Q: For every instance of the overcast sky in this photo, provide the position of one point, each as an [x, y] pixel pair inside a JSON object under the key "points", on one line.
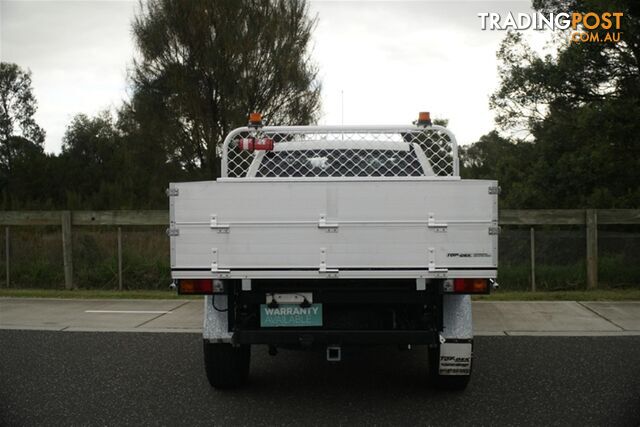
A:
{"points": [[386, 60]]}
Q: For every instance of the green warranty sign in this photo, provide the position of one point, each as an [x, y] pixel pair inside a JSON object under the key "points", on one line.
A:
{"points": [[290, 315]]}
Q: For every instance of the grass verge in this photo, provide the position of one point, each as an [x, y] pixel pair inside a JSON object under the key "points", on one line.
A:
{"points": [[92, 294], [632, 294]]}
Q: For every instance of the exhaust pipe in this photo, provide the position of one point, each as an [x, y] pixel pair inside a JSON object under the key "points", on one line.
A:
{"points": [[334, 353]]}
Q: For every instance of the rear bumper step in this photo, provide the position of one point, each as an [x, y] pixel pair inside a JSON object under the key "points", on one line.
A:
{"points": [[308, 337]]}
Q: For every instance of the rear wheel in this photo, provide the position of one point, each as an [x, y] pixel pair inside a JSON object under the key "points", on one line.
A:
{"points": [[226, 366], [444, 382]]}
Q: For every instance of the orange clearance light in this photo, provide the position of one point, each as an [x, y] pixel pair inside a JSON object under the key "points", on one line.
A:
{"points": [[424, 118], [255, 119]]}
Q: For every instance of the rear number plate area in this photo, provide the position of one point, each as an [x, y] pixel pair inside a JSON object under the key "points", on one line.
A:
{"points": [[290, 315]]}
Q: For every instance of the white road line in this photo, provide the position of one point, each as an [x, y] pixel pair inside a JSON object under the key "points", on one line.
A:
{"points": [[127, 311]]}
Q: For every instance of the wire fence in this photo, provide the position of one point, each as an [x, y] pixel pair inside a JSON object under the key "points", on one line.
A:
{"points": [[560, 257], [130, 250]]}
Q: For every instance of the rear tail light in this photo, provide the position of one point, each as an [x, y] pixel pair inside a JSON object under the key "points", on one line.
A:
{"points": [[467, 286], [200, 286], [250, 144]]}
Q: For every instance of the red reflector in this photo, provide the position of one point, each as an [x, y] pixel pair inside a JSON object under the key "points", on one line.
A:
{"points": [[470, 286], [195, 286]]}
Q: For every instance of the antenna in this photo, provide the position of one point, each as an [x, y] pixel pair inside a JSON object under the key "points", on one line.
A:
{"points": [[342, 111], [342, 106]]}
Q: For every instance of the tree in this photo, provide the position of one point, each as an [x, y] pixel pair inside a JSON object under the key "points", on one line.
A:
{"points": [[580, 107], [109, 162], [205, 65], [92, 154], [577, 74], [495, 157], [19, 134], [17, 105], [149, 166]]}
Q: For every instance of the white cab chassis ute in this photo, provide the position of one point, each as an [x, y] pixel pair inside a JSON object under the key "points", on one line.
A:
{"points": [[321, 237]]}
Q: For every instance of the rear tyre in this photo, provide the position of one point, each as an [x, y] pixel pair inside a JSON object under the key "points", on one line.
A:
{"points": [[444, 382], [226, 366]]}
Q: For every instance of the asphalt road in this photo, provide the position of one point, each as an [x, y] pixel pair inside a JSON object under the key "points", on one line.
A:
{"points": [[89, 378]]}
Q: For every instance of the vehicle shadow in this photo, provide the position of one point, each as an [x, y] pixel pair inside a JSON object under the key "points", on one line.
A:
{"points": [[360, 368]]}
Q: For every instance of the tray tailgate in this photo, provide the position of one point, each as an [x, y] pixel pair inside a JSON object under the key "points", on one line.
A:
{"points": [[380, 225]]}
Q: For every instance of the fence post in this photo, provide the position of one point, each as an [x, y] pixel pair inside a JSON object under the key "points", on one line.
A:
{"points": [[7, 249], [532, 234], [67, 256], [592, 248], [119, 258]]}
